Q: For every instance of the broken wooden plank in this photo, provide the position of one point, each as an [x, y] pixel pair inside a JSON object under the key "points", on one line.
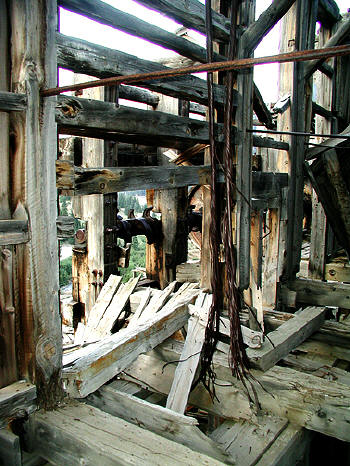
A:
{"points": [[246, 442], [10, 450], [12, 102], [156, 303], [162, 421], [65, 227], [111, 355], [103, 301], [13, 232], [318, 293], [114, 310], [76, 433], [289, 448], [97, 119], [287, 337], [186, 368], [145, 299], [251, 338], [94, 60], [16, 400]]}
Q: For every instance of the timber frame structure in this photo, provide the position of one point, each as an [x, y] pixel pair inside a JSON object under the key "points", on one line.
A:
{"points": [[122, 378]]}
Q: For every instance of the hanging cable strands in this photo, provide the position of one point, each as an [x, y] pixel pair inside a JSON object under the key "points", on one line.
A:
{"points": [[206, 67]]}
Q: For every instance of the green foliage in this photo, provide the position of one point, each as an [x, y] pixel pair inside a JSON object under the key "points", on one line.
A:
{"points": [[137, 257], [129, 201], [65, 271]]}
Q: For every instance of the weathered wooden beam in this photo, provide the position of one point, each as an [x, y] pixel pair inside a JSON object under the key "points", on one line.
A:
{"points": [[13, 232], [65, 227], [305, 399], [106, 14], [337, 271], [113, 354], [287, 337], [254, 34], [191, 13], [261, 110], [330, 143], [79, 433], [328, 12], [198, 108], [94, 60], [246, 442], [107, 180], [16, 400], [162, 421], [319, 110], [10, 450], [289, 448], [92, 118], [259, 141], [318, 293], [136, 94], [336, 39], [12, 102]]}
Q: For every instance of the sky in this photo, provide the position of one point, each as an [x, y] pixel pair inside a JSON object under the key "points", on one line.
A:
{"points": [[265, 76]]}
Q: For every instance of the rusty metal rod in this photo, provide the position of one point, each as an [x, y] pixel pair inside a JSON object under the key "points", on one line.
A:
{"points": [[298, 133], [205, 67]]}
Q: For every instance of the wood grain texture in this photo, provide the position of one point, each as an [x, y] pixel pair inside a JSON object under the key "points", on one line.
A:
{"points": [[15, 400], [11, 102], [75, 433]]}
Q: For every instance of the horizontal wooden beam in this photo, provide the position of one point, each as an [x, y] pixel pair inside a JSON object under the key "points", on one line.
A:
{"points": [[110, 16], [76, 433], [65, 227], [137, 94], [102, 62], [12, 102], [13, 232], [319, 110], [109, 180], [259, 141], [330, 143], [16, 400], [337, 271], [318, 293], [191, 13], [94, 118]]}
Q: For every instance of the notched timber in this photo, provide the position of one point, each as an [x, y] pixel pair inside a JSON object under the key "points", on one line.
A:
{"points": [[97, 119]]}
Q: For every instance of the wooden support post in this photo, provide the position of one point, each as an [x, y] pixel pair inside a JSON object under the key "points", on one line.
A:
{"points": [[33, 184]]}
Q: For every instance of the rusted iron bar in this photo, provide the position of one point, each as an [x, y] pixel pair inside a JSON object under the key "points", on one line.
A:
{"points": [[206, 67], [298, 133]]}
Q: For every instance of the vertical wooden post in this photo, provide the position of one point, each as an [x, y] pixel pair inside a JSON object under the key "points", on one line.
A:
{"points": [[34, 66], [323, 126]]}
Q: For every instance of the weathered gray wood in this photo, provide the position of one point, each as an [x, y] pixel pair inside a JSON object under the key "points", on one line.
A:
{"points": [[103, 301], [251, 338], [13, 232], [319, 110], [289, 448], [78, 433], [11, 102], [162, 421], [337, 271], [308, 400], [330, 143], [259, 141], [261, 111], [114, 353], [287, 337], [154, 305], [246, 442], [188, 272], [318, 293], [191, 13], [35, 150], [92, 118], [186, 369], [94, 60], [137, 94], [253, 35], [10, 450], [336, 39], [328, 12], [65, 227], [16, 400], [106, 14]]}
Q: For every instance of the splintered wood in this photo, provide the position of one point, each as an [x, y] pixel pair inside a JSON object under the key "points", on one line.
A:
{"points": [[87, 368]]}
